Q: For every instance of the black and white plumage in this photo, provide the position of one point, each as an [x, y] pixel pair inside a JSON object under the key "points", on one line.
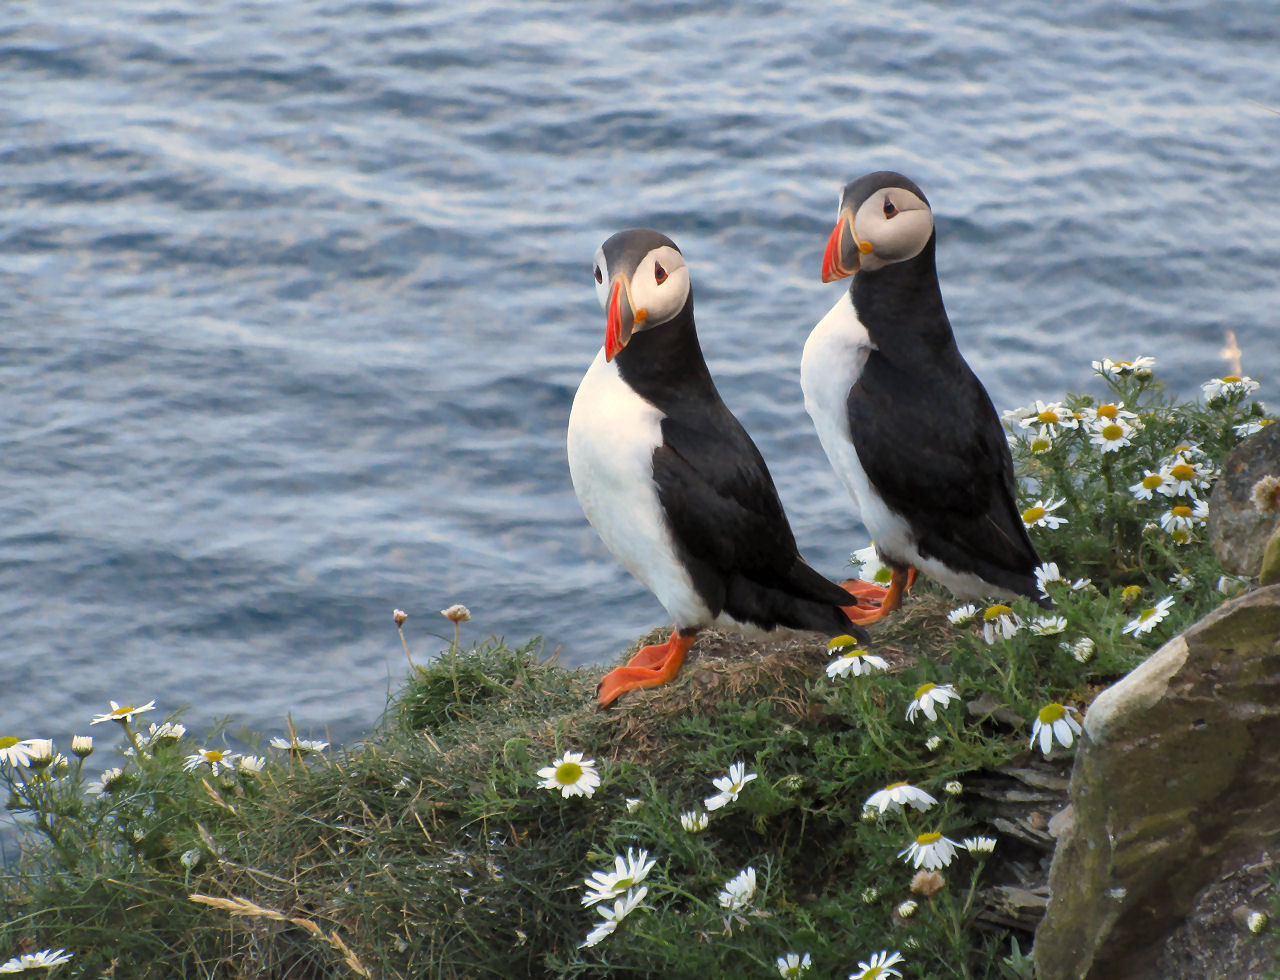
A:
{"points": [[669, 478], [906, 424]]}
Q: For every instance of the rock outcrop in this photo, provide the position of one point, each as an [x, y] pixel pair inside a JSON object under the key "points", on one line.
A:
{"points": [[1175, 783], [1238, 529]]}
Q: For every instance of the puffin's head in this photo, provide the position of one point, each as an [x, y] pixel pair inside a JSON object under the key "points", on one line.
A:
{"points": [[641, 281], [883, 218]]}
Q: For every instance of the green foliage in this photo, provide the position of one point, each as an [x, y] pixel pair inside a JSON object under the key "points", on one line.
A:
{"points": [[433, 850]]}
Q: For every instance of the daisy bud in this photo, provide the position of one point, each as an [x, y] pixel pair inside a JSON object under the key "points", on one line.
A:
{"points": [[1257, 921], [399, 615], [932, 743], [907, 909], [457, 613], [953, 788], [82, 745]]}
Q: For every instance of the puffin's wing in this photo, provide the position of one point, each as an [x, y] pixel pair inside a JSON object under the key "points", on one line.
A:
{"points": [[728, 522], [947, 469]]}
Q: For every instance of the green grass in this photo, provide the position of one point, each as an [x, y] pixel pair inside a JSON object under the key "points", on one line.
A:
{"points": [[430, 850]]}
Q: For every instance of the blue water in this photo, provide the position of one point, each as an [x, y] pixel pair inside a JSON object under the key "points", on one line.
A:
{"points": [[294, 297]]}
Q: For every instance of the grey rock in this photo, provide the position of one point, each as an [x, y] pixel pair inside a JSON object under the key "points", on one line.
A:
{"points": [[1175, 781], [1238, 533]]}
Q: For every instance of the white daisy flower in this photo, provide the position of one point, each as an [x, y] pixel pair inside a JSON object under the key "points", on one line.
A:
{"points": [[109, 780], [1112, 436], [215, 759], [1181, 520], [1054, 721], [1148, 619], [252, 764], [999, 621], [1250, 427], [168, 731], [729, 786], [739, 891], [927, 696], [879, 967], [1227, 386], [610, 917], [930, 851], [1230, 584], [1082, 649], [14, 751], [793, 965], [122, 713], [1181, 580], [39, 752], [896, 796], [300, 746], [627, 872], [1048, 418], [962, 614], [1048, 625], [1140, 366], [852, 660], [571, 774], [1187, 477], [82, 745], [694, 821], [870, 567], [35, 961], [979, 845], [1046, 573], [1151, 482], [1040, 514], [1110, 412]]}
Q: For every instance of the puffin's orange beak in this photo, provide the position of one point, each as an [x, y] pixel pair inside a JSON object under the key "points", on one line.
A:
{"points": [[621, 319], [843, 256]]}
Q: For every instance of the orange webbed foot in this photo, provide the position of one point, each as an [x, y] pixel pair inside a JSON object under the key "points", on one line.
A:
{"points": [[875, 601], [651, 666]]}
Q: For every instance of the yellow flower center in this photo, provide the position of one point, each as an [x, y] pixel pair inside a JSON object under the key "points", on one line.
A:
{"points": [[1051, 713], [1230, 379], [896, 785], [1146, 614], [214, 755], [1107, 411], [9, 740], [1048, 416], [995, 612], [883, 576], [924, 689], [1183, 471], [924, 840], [568, 773], [1184, 448], [871, 973], [1182, 511], [1041, 445], [838, 644], [1112, 431], [1180, 536], [1131, 592], [1152, 481], [1033, 514], [1122, 364]]}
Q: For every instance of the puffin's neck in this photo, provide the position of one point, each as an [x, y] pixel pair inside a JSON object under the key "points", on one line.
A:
{"points": [[901, 307], [666, 360]]}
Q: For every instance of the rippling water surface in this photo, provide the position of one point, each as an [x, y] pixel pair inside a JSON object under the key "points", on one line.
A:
{"points": [[294, 297]]}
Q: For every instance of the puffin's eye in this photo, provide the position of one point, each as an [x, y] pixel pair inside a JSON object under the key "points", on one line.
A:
{"points": [[659, 273], [599, 277], [889, 209]]}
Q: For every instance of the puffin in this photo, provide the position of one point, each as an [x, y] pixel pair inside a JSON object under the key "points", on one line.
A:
{"points": [[670, 480], [906, 424]]}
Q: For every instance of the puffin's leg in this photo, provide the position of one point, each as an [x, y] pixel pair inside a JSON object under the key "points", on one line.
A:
{"points": [[653, 665], [890, 598]]}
